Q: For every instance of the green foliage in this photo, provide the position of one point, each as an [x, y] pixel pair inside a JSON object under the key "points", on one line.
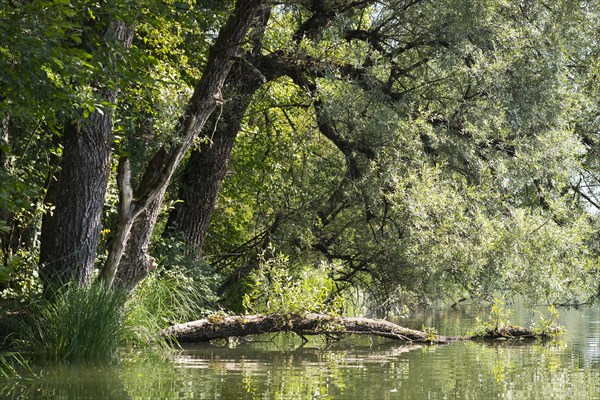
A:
{"points": [[19, 279], [461, 151], [163, 298], [431, 332], [498, 319], [277, 287], [548, 325], [76, 323], [14, 367], [461, 183]]}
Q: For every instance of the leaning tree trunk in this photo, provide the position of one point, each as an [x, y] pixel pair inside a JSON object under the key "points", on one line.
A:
{"points": [[71, 231], [127, 269], [205, 170], [5, 215], [136, 262]]}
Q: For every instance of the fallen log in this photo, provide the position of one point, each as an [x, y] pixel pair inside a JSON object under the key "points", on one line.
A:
{"points": [[217, 327], [222, 327]]}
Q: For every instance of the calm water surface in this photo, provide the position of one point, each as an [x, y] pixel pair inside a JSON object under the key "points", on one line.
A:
{"points": [[356, 368]]}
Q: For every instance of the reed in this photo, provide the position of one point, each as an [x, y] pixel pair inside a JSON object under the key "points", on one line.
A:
{"points": [[77, 323]]}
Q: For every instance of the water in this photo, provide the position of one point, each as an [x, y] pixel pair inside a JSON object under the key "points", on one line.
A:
{"points": [[355, 368]]}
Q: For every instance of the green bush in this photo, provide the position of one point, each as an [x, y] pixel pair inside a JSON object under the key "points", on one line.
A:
{"points": [[19, 279], [276, 287]]}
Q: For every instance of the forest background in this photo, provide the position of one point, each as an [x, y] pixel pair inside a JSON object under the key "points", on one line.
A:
{"points": [[299, 156]]}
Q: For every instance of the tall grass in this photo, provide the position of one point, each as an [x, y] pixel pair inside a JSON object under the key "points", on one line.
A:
{"points": [[78, 323], [13, 366], [95, 323], [164, 298]]}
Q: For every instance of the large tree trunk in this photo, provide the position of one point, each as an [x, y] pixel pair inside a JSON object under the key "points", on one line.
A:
{"points": [[71, 230], [205, 170], [129, 269]]}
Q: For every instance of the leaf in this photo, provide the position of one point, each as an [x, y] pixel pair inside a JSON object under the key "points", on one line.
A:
{"points": [[76, 39], [181, 6], [58, 62]]}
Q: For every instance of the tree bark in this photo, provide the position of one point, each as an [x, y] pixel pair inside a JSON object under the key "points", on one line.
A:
{"points": [[71, 230], [207, 96], [136, 262], [205, 170], [308, 324]]}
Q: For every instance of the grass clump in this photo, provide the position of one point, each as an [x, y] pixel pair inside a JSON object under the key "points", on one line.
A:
{"points": [[13, 366], [163, 298], [76, 323], [97, 323]]}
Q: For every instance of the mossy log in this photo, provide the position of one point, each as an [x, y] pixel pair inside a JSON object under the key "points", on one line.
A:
{"points": [[217, 327], [513, 331], [222, 327]]}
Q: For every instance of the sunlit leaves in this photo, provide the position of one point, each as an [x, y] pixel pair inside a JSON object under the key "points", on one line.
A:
{"points": [[458, 117]]}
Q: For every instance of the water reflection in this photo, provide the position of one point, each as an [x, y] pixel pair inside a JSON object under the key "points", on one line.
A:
{"points": [[358, 368]]}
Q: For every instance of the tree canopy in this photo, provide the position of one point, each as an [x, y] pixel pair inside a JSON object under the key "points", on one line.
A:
{"points": [[415, 150]]}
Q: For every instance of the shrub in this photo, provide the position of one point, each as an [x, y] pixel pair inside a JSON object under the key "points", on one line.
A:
{"points": [[275, 288]]}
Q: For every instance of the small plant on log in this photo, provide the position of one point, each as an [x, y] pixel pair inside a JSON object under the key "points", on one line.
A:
{"points": [[548, 326], [432, 333], [498, 325], [498, 320], [279, 287]]}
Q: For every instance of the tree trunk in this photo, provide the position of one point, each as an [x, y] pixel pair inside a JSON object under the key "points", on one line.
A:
{"points": [[71, 230], [136, 263], [129, 269], [205, 170], [5, 215]]}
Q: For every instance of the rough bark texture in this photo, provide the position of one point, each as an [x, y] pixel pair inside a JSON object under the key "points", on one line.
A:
{"points": [[222, 327], [206, 168], [136, 263], [206, 97], [4, 123], [70, 233]]}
